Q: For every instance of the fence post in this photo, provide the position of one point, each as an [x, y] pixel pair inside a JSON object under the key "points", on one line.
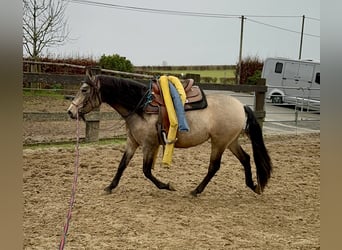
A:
{"points": [[93, 118], [259, 102], [92, 126]]}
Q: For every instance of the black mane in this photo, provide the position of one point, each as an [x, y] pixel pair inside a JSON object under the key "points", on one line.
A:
{"points": [[122, 91]]}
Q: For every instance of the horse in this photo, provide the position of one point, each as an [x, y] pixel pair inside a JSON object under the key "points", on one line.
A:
{"points": [[222, 122]]}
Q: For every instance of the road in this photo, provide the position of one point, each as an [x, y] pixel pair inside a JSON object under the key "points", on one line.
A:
{"points": [[281, 119]]}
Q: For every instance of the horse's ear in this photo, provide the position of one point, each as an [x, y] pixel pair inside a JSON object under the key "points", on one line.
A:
{"points": [[89, 74]]}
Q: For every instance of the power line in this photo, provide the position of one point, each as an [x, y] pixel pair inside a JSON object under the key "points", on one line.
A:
{"points": [[270, 16], [156, 11], [313, 18], [174, 12], [280, 28], [194, 14], [273, 16]]}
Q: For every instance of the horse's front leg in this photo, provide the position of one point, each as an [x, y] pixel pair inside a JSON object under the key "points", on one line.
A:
{"points": [[148, 162], [131, 146]]}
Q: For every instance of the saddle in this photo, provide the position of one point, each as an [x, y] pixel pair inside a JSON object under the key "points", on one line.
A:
{"points": [[195, 99]]}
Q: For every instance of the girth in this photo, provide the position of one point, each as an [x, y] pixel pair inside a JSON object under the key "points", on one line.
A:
{"points": [[195, 99]]}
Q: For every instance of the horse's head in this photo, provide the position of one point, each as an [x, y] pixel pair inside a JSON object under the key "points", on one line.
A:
{"points": [[87, 98]]}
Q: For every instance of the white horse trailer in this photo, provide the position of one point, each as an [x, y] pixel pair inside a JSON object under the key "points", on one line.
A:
{"points": [[293, 81]]}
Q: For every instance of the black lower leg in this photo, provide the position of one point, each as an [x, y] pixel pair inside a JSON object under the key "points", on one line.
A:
{"points": [[122, 166], [245, 161], [147, 169], [213, 168]]}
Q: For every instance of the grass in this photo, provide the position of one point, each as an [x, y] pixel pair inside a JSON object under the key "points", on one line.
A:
{"points": [[43, 92], [229, 73], [71, 145]]}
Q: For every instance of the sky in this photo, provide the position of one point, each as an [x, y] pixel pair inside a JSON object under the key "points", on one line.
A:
{"points": [[212, 37]]}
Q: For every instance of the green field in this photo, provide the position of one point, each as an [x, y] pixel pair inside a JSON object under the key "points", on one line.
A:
{"points": [[229, 73], [56, 93]]}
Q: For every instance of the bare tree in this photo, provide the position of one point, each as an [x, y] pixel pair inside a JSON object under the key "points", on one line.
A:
{"points": [[44, 25]]}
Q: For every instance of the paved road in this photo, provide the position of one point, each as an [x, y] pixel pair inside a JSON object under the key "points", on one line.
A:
{"points": [[281, 119]]}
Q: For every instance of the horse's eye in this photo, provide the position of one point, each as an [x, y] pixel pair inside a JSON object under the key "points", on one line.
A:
{"points": [[84, 90]]}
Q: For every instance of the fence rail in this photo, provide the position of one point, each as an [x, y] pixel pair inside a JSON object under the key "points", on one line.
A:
{"points": [[63, 116], [304, 97]]}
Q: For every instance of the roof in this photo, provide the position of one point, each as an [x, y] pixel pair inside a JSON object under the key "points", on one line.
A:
{"points": [[295, 60]]}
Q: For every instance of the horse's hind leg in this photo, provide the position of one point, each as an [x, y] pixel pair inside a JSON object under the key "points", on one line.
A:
{"points": [[244, 158], [214, 166], [148, 162]]}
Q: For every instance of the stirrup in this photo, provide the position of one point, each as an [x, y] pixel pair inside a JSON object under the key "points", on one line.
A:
{"points": [[166, 141]]}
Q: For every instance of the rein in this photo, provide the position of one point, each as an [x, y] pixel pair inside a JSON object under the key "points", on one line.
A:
{"points": [[74, 184], [147, 96]]}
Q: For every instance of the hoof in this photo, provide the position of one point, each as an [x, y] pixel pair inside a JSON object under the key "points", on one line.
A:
{"points": [[257, 189], [108, 190], [171, 188], [194, 193]]}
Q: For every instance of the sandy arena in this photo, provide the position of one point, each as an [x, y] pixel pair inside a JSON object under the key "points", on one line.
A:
{"points": [[137, 215]]}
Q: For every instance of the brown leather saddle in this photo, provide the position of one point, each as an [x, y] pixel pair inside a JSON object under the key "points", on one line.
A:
{"points": [[195, 99]]}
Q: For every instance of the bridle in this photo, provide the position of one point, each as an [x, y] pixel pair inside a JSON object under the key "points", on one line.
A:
{"points": [[95, 87]]}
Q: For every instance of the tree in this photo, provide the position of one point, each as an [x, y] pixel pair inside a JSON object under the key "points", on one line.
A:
{"points": [[249, 70], [44, 25], [116, 62]]}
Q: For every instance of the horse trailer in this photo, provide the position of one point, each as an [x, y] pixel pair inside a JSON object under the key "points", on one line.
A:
{"points": [[293, 82]]}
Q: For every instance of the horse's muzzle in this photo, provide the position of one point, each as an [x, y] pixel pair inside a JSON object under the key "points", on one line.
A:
{"points": [[71, 115], [72, 111], [74, 116]]}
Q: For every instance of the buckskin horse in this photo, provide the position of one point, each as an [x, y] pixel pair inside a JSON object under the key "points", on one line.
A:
{"points": [[221, 121]]}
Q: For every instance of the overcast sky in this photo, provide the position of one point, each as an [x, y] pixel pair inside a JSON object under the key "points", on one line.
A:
{"points": [[157, 38]]}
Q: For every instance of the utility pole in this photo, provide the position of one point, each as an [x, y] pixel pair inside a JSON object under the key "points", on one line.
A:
{"points": [[301, 39], [240, 53]]}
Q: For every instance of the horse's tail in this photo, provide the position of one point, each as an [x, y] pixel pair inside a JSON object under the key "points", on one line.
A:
{"points": [[261, 158]]}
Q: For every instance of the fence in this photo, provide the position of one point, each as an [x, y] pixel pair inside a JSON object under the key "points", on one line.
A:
{"points": [[301, 97], [71, 82]]}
